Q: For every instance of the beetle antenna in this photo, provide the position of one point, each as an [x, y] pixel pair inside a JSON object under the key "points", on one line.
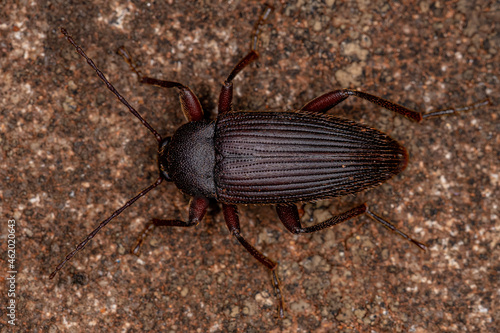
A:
{"points": [[102, 225], [109, 85]]}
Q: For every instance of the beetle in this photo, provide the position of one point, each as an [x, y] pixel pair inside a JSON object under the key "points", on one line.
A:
{"points": [[267, 158]]}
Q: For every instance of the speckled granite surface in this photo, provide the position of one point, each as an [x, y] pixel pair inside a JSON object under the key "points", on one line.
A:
{"points": [[70, 154]]}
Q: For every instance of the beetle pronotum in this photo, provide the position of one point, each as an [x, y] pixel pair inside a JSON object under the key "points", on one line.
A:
{"points": [[272, 158]]}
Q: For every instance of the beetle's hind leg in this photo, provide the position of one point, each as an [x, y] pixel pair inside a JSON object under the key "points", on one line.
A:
{"points": [[289, 216], [325, 102], [197, 209], [233, 223]]}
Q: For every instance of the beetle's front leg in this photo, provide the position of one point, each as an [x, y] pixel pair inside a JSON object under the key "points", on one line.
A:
{"points": [[197, 209], [191, 106], [289, 216], [233, 223]]}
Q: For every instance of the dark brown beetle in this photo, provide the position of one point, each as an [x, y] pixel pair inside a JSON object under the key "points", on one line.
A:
{"points": [[279, 158]]}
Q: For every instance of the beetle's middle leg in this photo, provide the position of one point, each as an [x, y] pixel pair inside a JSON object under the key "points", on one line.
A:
{"points": [[226, 92], [289, 216], [233, 223], [327, 101]]}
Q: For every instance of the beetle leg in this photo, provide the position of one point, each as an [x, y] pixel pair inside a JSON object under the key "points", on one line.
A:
{"points": [[233, 223], [289, 216], [197, 209], [389, 226], [191, 106], [226, 93], [327, 101]]}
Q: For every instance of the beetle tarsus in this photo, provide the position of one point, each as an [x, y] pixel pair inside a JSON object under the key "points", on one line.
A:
{"points": [[123, 52], [277, 290], [150, 226], [389, 226], [257, 30], [456, 110]]}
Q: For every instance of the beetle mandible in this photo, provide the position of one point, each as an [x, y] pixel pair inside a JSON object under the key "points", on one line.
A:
{"points": [[270, 158]]}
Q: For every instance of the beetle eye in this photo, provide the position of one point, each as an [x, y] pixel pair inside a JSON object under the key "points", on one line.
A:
{"points": [[162, 158]]}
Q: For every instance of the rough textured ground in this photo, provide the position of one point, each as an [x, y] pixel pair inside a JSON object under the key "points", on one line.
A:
{"points": [[70, 154]]}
